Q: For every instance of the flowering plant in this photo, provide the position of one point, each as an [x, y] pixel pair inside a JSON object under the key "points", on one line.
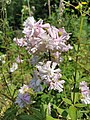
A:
{"points": [[43, 85], [40, 39]]}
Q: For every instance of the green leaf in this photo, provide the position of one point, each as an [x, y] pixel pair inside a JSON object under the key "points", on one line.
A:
{"points": [[37, 114], [26, 117], [60, 111], [80, 105], [66, 100], [77, 75], [72, 112], [76, 99], [50, 118]]}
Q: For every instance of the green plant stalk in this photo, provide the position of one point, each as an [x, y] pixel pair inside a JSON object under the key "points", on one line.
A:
{"points": [[78, 42], [7, 96], [29, 7], [49, 8]]}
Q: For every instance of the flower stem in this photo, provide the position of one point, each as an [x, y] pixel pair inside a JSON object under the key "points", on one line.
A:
{"points": [[78, 42], [49, 7], [29, 7]]}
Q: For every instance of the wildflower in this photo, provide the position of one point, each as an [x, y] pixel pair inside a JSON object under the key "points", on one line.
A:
{"points": [[24, 89], [18, 59], [35, 45], [35, 83], [39, 37], [34, 60], [20, 42], [50, 75], [14, 67], [2, 58], [57, 85], [23, 97], [58, 41], [32, 28], [56, 57], [85, 92], [47, 71]]}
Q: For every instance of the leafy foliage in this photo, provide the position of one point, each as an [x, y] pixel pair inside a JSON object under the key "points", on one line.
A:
{"points": [[75, 68]]}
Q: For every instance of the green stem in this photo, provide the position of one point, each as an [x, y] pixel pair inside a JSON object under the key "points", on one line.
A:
{"points": [[49, 7], [78, 42], [7, 96], [29, 7]]}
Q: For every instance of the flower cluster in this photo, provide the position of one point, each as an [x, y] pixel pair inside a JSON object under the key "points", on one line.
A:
{"points": [[39, 38], [50, 75], [85, 92]]}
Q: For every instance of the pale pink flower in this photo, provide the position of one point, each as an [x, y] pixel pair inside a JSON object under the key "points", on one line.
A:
{"points": [[86, 100], [48, 70], [39, 37], [29, 22], [50, 75], [56, 56], [33, 28], [57, 85], [20, 42], [53, 32], [85, 92], [58, 40], [24, 89], [19, 60]]}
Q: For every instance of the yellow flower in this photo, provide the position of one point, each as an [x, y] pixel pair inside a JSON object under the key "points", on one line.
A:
{"points": [[83, 3]]}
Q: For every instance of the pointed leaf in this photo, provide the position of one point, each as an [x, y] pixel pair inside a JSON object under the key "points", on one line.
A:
{"points": [[66, 100], [72, 112], [80, 105]]}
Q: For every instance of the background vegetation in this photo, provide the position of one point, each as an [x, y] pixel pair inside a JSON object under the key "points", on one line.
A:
{"points": [[75, 18]]}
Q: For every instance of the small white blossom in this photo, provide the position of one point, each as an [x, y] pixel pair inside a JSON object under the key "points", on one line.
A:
{"points": [[14, 67], [18, 59], [58, 85], [24, 89], [20, 42], [2, 58]]}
